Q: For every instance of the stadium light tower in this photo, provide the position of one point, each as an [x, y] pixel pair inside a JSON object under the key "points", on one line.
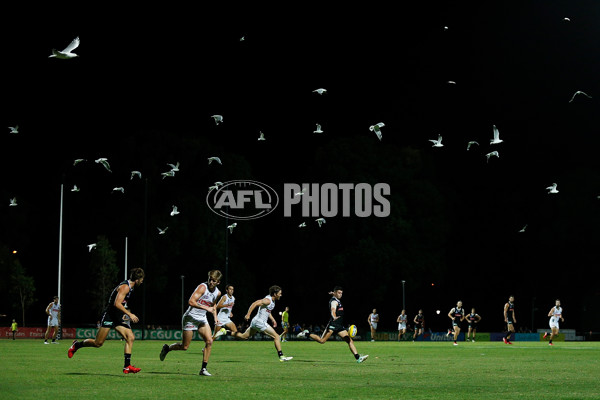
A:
{"points": [[60, 228], [403, 297], [182, 298]]}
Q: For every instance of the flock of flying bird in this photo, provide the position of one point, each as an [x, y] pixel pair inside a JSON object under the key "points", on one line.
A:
{"points": [[67, 53]]}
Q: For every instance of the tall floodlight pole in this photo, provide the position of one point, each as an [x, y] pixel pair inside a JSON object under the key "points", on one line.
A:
{"points": [[145, 254], [60, 239], [403, 297], [125, 257], [60, 249], [182, 294], [533, 315]]}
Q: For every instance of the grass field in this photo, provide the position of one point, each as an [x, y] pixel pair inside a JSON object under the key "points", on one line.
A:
{"points": [[251, 370]]}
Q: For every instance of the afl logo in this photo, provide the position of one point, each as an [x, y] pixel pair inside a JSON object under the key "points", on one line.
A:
{"points": [[242, 200]]}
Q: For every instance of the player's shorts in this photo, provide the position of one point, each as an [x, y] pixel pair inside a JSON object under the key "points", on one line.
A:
{"points": [[224, 319], [52, 321], [473, 325], [374, 325], [455, 323], [418, 327], [510, 322], [401, 325], [258, 325], [554, 323], [285, 325], [115, 318], [191, 323], [336, 326]]}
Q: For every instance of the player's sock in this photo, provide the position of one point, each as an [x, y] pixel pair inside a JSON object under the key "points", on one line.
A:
{"points": [[204, 364], [280, 353], [550, 341], [127, 360], [357, 356]]}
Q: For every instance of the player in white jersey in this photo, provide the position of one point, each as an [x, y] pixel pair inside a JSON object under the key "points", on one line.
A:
{"points": [[53, 311], [555, 315], [402, 319], [373, 320], [202, 301], [224, 309], [259, 322]]}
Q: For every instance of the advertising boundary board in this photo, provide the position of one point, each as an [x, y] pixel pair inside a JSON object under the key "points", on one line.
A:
{"points": [[35, 333]]}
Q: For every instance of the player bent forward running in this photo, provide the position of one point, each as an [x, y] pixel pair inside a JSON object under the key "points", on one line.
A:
{"points": [[201, 301], [555, 315], [259, 322], [335, 325], [116, 315]]}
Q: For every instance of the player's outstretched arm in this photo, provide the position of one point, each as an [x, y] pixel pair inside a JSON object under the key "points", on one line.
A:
{"points": [[260, 302]]}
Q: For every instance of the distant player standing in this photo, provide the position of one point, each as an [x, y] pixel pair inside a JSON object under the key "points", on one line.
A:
{"points": [[555, 315], [419, 321], [14, 328], [373, 320], [53, 311], [335, 325], [259, 322], [202, 301], [285, 323], [224, 308], [473, 319], [116, 315], [509, 318], [402, 319], [457, 315]]}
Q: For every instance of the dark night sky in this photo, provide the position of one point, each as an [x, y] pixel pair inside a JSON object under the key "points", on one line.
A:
{"points": [[163, 73]]}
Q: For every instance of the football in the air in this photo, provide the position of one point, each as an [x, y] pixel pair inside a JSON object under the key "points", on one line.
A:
{"points": [[352, 330]]}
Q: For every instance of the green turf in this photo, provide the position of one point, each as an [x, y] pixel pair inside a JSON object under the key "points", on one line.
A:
{"points": [[251, 370]]}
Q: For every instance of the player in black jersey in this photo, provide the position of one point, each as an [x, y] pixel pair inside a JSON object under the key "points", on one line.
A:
{"points": [[457, 315], [419, 321], [473, 319], [509, 318], [116, 315], [335, 325]]}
